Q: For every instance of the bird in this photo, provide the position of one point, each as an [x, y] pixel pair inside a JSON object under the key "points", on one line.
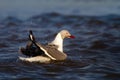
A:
{"points": [[53, 51]]}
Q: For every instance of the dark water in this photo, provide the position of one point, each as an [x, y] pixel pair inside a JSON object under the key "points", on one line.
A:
{"points": [[93, 55]]}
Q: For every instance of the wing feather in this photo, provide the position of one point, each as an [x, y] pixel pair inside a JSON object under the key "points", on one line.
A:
{"points": [[52, 52]]}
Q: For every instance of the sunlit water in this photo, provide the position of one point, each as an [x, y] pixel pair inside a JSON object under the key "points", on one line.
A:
{"points": [[93, 55]]}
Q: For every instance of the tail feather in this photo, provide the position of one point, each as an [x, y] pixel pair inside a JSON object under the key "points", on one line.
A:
{"points": [[32, 38], [32, 48]]}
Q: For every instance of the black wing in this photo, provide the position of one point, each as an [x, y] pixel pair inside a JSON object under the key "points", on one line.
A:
{"points": [[31, 49]]}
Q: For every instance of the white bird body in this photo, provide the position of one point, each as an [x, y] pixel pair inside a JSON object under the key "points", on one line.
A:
{"points": [[40, 59]]}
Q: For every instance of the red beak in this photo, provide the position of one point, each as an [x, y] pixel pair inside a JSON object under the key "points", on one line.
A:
{"points": [[72, 36]]}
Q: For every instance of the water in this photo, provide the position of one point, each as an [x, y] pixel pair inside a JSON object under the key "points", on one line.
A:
{"points": [[27, 8], [93, 55]]}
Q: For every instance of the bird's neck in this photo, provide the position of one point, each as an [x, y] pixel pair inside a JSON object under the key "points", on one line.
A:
{"points": [[59, 42]]}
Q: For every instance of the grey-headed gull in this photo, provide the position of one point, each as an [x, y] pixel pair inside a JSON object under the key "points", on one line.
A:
{"points": [[37, 52]]}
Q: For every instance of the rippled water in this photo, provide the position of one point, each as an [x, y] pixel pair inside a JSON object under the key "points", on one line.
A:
{"points": [[93, 55]]}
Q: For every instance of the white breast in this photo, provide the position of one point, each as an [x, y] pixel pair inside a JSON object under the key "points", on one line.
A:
{"points": [[59, 42]]}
